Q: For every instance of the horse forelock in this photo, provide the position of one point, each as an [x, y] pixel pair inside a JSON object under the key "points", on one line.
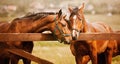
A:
{"points": [[74, 12]]}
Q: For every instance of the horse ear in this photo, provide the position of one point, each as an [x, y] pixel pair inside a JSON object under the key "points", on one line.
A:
{"points": [[64, 16], [82, 7], [60, 13], [70, 9]]}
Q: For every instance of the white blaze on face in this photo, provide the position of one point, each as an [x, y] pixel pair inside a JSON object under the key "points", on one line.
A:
{"points": [[74, 17], [74, 26], [73, 33]]}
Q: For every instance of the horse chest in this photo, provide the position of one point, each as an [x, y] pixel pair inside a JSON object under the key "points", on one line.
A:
{"points": [[81, 47]]}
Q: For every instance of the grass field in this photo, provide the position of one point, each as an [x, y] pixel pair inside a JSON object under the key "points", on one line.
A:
{"points": [[59, 53]]}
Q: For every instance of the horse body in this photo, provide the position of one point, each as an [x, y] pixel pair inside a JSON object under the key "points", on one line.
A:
{"points": [[81, 49], [4, 27], [116, 51], [98, 28], [32, 24]]}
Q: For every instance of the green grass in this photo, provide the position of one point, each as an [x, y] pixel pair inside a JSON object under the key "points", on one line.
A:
{"points": [[56, 52], [59, 53]]}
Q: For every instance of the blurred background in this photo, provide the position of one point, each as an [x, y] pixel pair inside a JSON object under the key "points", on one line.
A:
{"points": [[11, 7], [107, 11]]}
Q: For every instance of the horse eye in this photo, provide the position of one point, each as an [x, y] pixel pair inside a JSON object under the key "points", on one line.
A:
{"points": [[80, 19], [63, 25]]}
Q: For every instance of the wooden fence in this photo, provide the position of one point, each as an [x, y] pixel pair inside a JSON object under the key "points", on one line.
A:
{"points": [[49, 37]]}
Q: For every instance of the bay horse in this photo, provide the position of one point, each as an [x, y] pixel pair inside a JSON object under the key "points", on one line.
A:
{"points": [[89, 48], [115, 52], [35, 23]]}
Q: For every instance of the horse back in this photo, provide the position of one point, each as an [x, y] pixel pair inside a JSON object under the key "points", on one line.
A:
{"points": [[101, 27]]}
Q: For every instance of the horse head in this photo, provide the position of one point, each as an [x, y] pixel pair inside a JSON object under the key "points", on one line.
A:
{"points": [[76, 21], [61, 29], [39, 22]]}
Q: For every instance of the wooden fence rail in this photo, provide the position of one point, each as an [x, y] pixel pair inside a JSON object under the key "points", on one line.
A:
{"points": [[26, 37], [27, 55], [49, 37]]}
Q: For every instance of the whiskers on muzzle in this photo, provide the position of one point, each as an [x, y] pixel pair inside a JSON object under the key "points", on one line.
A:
{"points": [[66, 39], [67, 42]]}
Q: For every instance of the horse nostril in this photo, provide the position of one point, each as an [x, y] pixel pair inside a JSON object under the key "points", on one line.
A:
{"points": [[74, 38], [66, 42]]}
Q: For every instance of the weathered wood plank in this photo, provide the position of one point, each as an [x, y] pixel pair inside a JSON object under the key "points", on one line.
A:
{"points": [[99, 36], [49, 37], [26, 37], [28, 56]]}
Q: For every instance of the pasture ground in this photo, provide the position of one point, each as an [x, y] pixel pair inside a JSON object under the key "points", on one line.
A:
{"points": [[59, 53]]}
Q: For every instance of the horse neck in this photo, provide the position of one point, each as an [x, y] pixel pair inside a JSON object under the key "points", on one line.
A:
{"points": [[4, 27], [46, 24], [28, 25], [84, 24]]}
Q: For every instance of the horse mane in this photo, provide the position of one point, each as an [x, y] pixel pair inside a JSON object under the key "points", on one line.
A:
{"points": [[36, 16], [68, 22], [40, 13]]}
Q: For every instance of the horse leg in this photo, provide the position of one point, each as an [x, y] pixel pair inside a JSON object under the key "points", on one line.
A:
{"points": [[1, 61], [85, 59], [4, 61], [27, 46], [26, 61], [93, 52], [93, 57], [101, 58], [109, 51], [109, 54], [14, 59], [78, 59]]}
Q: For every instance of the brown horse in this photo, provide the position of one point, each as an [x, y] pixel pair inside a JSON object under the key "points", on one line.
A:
{"points": [[90, 48], [115, 52], [55, 22]]}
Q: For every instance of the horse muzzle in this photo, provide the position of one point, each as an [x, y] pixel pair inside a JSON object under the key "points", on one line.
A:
{"points": [[75, 34], [67, 42]]}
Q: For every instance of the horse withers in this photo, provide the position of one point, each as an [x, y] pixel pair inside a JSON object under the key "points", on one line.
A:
{"points": [[89, 48], [34, 23]]}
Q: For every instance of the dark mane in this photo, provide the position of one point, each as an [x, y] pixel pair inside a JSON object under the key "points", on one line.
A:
{"points": [[68, 22], [40, 13], [75, 11], [36, 16]]}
